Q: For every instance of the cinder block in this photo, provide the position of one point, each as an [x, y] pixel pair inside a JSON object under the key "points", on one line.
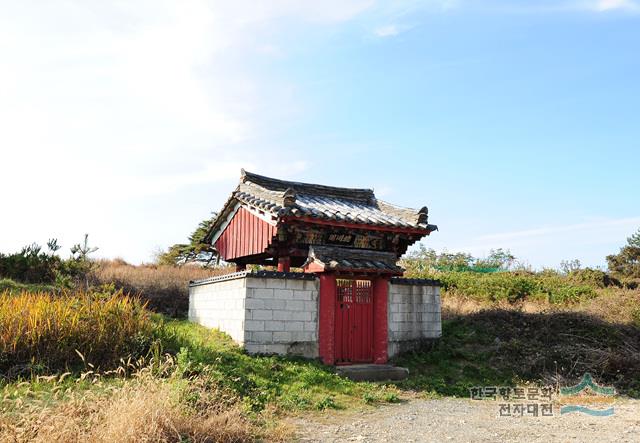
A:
{"points": [[262, 337], [282, 337], [274, 326], [294, 284], [254, 325], [253, 282], [254, 303], [312, 285], [311, 305], [262, 293], [283, 294], [300, 336], [295, 305], [261, 314], [302, 295], [281, 315], [277, 304], [310, 326], [301, 315], [276, 283], [294, 326]]}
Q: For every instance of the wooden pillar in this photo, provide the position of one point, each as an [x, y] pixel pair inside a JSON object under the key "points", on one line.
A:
{"points": [[326, 318], [284, 264], [380, 320]]}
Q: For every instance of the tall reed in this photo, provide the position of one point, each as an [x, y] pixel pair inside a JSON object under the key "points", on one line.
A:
{"points": [[43, 332]]}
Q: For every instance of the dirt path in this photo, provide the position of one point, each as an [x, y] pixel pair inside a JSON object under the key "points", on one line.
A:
{"points": [[462, 420]]}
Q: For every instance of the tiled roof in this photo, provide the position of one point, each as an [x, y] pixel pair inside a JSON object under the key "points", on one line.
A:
{"points": [[353, 260], [280, 198]]}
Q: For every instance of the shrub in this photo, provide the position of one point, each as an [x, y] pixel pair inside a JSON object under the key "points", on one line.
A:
{"points": [[513, 286], [593, 277], [45, 332], [626, 263], [31, 264]]}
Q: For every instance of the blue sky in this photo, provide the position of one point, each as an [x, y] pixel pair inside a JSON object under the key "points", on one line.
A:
{"points": [[515, 122]]}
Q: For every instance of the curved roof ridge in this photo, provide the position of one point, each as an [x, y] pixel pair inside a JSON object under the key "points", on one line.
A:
{"points": [[274, 184]]}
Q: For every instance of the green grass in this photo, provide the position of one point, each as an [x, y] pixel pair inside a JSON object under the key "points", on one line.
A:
{"points": [[508, 348], [289, 383], [257, 382], [492, 347], [460, 360], [15, 287]]}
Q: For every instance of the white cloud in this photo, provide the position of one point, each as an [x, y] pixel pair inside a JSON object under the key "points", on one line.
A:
{"points": [[103, 103], [386, 31], [609, 5]]}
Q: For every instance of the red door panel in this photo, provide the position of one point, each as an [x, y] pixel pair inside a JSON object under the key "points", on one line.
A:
{"points": [[354, 321]]}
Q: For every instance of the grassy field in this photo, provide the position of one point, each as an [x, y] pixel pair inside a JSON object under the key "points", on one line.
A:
{"points": [[179, 382], [99, 366], [509, 347]]}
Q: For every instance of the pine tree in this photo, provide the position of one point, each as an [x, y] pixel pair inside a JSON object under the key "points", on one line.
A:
{"points": [[626, 264], [196, 251]]}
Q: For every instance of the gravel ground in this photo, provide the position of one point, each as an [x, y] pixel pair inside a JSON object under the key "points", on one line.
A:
{"points": [[463, 420]]}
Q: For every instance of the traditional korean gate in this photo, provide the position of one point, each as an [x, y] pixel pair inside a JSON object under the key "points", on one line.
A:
{"points": [[354, 321]]}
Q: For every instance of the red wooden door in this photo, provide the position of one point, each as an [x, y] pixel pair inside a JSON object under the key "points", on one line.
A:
{"points": [[354, 321]]}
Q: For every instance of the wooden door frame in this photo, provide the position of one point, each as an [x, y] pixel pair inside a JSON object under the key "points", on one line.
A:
{"points": [[327, 312]]}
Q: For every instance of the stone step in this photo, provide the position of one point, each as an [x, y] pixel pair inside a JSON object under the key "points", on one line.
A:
{"points": [[370, 372]]}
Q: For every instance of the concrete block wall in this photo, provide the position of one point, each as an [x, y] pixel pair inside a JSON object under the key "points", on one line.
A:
{"points": [[282, 316], [266, 312], [277, 313], [414, 314], [220, 305]]}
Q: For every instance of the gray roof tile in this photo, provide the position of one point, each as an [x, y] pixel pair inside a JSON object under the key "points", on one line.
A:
{"points": [[354, 260], [359, 206]]}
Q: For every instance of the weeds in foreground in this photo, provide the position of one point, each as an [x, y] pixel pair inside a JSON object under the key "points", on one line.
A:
{"points": [[143, 408], [286, 383]]}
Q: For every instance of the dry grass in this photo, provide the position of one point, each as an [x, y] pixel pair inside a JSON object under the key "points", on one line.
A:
{"points": [[41, 329], [613, 305], [166, 288], [143, 410]]}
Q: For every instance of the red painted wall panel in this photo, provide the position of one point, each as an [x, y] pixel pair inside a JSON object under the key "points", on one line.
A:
{"points": [[245, 235], [380, 319]]}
